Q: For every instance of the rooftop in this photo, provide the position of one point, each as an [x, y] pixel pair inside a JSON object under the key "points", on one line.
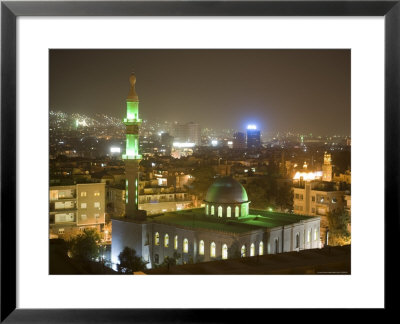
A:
{"points": [[329, 260], [196, 219]]}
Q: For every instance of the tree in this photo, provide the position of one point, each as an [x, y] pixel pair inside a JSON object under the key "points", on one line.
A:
{"points": [[84, 246], [338, 228], [260, 192], [130, 262], [203, 178], [284, 197]]}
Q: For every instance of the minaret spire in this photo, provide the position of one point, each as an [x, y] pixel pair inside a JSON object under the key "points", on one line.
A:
{"points": [[132, 156], [132, 96]]}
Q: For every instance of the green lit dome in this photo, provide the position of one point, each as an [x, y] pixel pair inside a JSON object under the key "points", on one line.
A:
{"points": [[226, 190]]}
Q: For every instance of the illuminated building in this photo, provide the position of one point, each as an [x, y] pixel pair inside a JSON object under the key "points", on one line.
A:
{"points": [[327, 167], [253, 137], [239, 140], [132, 156], [76, 207]]}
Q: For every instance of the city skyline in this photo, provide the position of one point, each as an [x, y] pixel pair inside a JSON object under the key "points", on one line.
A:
{"points": [[277, 90]]}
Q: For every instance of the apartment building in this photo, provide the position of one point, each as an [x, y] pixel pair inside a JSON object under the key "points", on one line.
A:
{"points": [[76, 207]]}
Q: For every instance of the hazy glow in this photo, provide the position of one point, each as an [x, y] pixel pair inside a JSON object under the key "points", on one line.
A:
{"points": [[115, 150], [251, 127], [307, 176], [214, 142]]}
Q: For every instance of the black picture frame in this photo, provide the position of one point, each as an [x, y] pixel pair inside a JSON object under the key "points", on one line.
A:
{"points": [[10, 10]]}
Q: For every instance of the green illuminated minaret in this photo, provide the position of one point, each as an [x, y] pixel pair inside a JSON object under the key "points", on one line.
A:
{"points": [[132, 157]]}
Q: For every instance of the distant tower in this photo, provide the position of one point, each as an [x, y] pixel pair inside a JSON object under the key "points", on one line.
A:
{"points": [[327, 167], [132, 157], [253, 137]]}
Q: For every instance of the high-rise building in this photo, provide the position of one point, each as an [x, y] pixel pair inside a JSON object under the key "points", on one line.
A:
{"points": [[166, 143], [132, 156], [239, 140], [253, 137], [188, 133]]}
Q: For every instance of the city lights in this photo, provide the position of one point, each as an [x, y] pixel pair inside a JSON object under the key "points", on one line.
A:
{"points": [[179, 144], [214, 142], [308, 176], [251, 127]]}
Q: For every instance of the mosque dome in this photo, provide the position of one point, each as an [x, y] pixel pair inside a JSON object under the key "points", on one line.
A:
{"points": [[226, 190]]}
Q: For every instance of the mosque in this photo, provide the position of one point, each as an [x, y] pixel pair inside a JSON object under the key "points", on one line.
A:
{"points": [[225, 228]]}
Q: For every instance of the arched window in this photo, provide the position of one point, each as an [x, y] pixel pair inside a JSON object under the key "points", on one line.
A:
{"points": [[166, 240], [276, 246], [176, 242], [157, 238], [261, 248], [212, 250], [212, 210], [219, 211], [315, 234], [185, 245], [237, 211], [243, 210], [228, 211], [252, 249], [243, 251], [207, 209], [297, 240], [224, 252], [201, 247]]}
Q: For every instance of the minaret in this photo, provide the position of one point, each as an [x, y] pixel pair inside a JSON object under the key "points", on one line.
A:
{"points": [[327, 167], [132, 157]]}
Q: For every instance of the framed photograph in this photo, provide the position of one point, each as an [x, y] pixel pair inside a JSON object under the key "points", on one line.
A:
{"points": [[197, 155]]}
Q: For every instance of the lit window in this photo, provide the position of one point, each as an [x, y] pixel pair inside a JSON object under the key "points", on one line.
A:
{"points": [[224, 252], [157, 239], [219, 211], [207, 209], [201, 247], [96, 205], [237, 211], [83, 205], [60, 231], [315, 234], [212, 250], [185, 245], [97, 193], [261, 249], [83, 194], [243, 251], [308, 236], [166, 240], [176, 242], [212, 210], [228, 212], [252, 249], [244, 210]]}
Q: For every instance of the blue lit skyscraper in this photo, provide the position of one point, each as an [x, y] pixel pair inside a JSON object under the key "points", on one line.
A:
{"points": [[253, 137]]}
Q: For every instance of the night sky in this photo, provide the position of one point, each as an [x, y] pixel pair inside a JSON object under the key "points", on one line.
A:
{"points": [[305, 91]]}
